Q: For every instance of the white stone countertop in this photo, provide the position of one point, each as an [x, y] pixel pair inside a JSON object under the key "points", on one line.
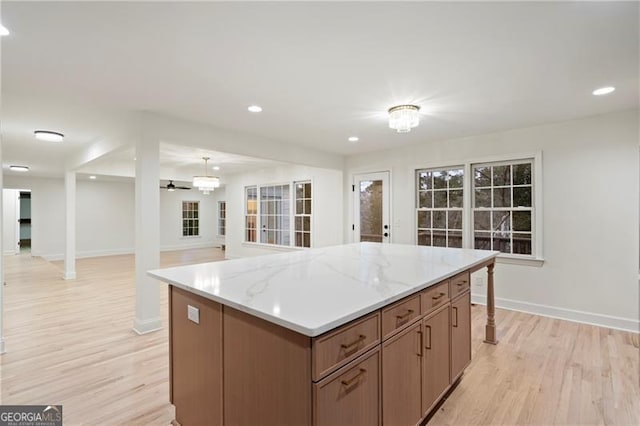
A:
{"points": [[313, 291]]}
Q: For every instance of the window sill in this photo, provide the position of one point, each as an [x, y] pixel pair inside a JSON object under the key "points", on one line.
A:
{"points": [[190, 237], [272, 246], [523, 261]]}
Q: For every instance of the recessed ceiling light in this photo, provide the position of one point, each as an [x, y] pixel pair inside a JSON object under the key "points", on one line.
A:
{"points": [[216, 167], [255, 108], [3, 30], [604, 90], [353, 139], [19, 168], [92, 177], [49, 136]]}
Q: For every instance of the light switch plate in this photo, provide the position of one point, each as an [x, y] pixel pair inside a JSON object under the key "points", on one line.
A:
{"points": [[193, 314]]}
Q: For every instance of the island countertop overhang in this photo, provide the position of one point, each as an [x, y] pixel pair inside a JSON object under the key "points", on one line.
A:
{"points": [[314, 291]]}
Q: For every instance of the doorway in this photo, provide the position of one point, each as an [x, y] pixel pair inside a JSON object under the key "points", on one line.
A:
{"points": [[371, 207], [24, 221]]}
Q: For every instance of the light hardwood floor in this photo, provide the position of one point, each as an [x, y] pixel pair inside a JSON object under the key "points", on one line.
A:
{"points": [[71, 343]]}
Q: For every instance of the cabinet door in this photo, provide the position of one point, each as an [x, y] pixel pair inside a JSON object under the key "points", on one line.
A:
{"points": [[351, 395], [435, 365], [401, 371], [460, 335]]}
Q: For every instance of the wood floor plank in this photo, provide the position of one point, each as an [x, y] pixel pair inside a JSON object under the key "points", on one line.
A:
{"points": [[71, 343]]}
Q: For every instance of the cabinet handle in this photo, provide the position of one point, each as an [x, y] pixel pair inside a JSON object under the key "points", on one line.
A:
{"points": [[421, 353], [439, 296], [461, 283], [354, 379], [428, 346], [354, 343], [455, 315], [405, 316]]}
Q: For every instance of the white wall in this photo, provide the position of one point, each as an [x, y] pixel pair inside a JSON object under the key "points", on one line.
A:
{"points": [[327, 207], [590, 199], [10, 220], [105, 217], [171, 219]]}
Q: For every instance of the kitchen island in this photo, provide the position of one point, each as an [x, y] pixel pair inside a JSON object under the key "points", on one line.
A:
{"points": [[359, 334]]}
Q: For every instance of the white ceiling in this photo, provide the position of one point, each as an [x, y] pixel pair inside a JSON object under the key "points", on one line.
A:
{"points": [[321, 71]]}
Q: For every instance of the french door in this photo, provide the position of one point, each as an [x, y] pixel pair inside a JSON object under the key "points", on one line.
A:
{"points": [[371, 208]]}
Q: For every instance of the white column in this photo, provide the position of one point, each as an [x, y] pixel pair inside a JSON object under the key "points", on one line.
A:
{"points": [[70, 228], [147, 235], [2, 346]]}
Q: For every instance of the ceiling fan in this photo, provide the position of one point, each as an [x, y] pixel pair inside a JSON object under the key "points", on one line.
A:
{"points": [[172, 187]]}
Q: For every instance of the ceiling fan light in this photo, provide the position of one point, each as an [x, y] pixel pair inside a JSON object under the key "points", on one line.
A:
{"points": [[402, 118]]}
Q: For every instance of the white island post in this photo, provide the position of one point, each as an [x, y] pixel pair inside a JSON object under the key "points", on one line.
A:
{"points": [[362, 333]]}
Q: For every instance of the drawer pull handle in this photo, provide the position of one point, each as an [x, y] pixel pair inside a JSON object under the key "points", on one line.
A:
{"points": [[421, 353], [455, 315], [405, 316], [428, 346], [461, 283], [439, 296], [354, 379], [354, 343]]}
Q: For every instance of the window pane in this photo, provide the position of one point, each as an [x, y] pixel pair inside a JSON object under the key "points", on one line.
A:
{"points": [[455, 219], [424, 219], [502, 221], [522, 221], [299, 207], [439, 238], [440, 219], [298, 223], [307, 223], [483, 198], [300, 190], [425, 199], [482, 240], [501, 197], [522, 174], [456, 178], [502, 241], [306, 239], [522, 196], [440, 179], [455, 198], [455, 238], [522, 243], [482, 176], [501, 175], [424, 238], [440, 199], [298, 239], [307, 206], [482, 220], [424, 181]]}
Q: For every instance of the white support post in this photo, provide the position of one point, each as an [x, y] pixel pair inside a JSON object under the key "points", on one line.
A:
{"points": [[147, 317], [70, 221], [2, 345]]}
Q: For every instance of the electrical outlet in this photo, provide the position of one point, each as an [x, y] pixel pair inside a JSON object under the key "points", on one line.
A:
{"points": [[478, 281], [193, 314]]}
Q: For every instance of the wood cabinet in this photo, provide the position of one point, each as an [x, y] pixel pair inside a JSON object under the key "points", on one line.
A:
{"points": [[436, 359], [401, 376], [351, 395], [460, 335]]}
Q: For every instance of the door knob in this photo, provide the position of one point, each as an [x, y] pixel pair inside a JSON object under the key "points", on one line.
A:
{"points": [[386, 234], [386, 227]]}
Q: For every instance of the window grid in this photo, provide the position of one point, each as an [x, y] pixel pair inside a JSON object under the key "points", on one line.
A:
{"points": [[190, 219], [222, 218], [275, 214], [503, 210], [251, 213], [439, 206], [302, 217]]}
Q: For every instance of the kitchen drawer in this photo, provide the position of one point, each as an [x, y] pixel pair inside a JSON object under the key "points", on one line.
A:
{"points": [[434, 297], [351, 395], [336, 348], [460, 284], [400, 314]]}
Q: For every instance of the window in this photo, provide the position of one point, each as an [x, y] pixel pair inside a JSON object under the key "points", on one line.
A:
{"points": [[222, 218], [274, 215], [503, 207], [268, 213], [251, 213], [303, 214], [439, 206], [190, 219]]}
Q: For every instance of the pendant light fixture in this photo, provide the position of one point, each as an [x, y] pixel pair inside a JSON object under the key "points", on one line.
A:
{"points": [[403, 118], [206, 183]]}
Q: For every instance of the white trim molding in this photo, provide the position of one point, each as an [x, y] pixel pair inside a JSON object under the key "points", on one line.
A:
{"points": [[147, 326], [616, 323]]}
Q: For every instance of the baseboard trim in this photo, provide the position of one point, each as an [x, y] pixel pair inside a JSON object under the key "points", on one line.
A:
{"points": [[142, 327], [616, 323], [119, 252], [9, 252]]}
